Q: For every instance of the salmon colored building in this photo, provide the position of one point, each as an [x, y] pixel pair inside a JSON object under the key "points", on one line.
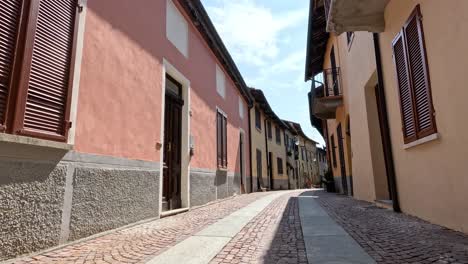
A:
{"points": [[388, 93], [114, 112]]}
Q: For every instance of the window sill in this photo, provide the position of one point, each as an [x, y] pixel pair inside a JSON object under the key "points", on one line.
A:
{"points": [[259, 129], [421, 141], [8, 138]]}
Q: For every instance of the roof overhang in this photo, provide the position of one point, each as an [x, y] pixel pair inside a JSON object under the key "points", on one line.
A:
{"points": [[201, 20], [317, 39]]}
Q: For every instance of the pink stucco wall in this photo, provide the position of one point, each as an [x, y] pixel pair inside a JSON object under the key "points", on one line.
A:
{"points": [[119, 109]]}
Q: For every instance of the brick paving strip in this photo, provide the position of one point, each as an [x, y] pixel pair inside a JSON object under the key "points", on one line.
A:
{"points": [[139, 243], [394, 238], [273, 236]]}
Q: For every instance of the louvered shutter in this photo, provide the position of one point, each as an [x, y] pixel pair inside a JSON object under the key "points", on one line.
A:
{"points": [[10, 11], [425, 122], [219, 138], [406, 98], [225, 163], [48, 98]]}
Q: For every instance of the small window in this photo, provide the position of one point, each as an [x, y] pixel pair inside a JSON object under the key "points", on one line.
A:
{"points": [[221, 139], [258, 119], [333, 147], [269, 132], [409, 53], [241, 107], [176, 28], [278, 135], [349, 37], [280, 165], [220, 82]]}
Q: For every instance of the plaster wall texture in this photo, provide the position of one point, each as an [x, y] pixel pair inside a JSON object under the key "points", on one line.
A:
{"points": [[207, 186], [279, 151], [258, 142], [121, 86], [436, 167]]}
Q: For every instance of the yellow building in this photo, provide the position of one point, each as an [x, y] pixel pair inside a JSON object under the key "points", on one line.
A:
{"points": [[268, 147], [391, 102]]}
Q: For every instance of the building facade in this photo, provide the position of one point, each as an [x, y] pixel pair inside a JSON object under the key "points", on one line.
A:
{"points": [[392, 88], [268, 150], [107, 119]]}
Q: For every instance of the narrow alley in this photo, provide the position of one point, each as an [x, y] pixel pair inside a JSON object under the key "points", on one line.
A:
{"points": [[271, 227]]}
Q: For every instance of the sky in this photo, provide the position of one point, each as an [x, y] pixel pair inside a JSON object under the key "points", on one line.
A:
{"points": [[267, 40]]}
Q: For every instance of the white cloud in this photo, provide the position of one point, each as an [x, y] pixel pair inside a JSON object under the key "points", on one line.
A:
{"points": [[250, 31]]}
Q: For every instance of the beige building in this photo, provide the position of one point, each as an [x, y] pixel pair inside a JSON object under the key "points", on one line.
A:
{"points": [[391, 103], [268, 149]]}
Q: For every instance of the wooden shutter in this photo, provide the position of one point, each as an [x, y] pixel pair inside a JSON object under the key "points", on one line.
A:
{"points": [[225, 160], [406, 97], [419, 75], [219, 130], [10, 12], [47, 86]]}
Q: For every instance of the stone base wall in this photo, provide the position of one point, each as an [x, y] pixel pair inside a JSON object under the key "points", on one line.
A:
{"points": [[71, 196], [280, 184], [209, 185]]}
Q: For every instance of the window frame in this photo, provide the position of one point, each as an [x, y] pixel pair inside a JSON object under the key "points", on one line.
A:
{"points": [[279, 165], [402, 36], [269, 130], [278, 135], [20, 75], [258, 119], [221, 140]]}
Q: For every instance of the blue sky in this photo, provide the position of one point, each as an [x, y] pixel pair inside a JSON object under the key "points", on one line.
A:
{"points": [[267, 40]]}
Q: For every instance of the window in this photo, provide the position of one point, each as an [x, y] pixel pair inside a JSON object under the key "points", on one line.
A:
{"points": [[258, 120], [269, 132], [176, 28], [333, 147], [280, 165], [221, 138], [36, 67], [349, 37], [278, 135], [220, 82], [417, 112], [241, 107]]}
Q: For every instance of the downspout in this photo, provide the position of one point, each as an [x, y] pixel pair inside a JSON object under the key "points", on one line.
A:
{"points": [[386, 140], [266, 153], [250, 149]]}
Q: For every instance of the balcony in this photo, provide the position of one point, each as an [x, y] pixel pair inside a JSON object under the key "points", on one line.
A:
{"points": [[355, 15], [328, 96]]}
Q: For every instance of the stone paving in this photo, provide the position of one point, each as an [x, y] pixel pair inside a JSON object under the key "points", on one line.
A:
{"points": [[139, 243], [273, 236], [390, 237]]}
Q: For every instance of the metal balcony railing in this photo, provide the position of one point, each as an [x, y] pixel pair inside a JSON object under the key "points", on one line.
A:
{"points": [[331, 82]]}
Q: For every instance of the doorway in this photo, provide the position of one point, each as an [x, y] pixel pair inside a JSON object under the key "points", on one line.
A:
{"points": [[259, 169], [344, 181], [270, 169], [172, 161]]}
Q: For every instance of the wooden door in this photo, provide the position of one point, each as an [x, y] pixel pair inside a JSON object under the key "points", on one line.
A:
{"points": [[241, 162], [270, 169], [344, 180], [172, 145], [259, 169]]}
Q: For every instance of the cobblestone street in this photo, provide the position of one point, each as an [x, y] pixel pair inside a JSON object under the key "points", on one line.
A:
{"points": [[274, 235]]}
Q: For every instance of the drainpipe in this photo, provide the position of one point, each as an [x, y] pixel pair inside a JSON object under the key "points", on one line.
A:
{"points": [[386, 140], [250, 150], [266, 153]]}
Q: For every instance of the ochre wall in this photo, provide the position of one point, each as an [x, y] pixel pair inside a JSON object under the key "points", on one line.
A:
{"points": [[278, 151], [119, 109], [431, 177], [258, 142]]}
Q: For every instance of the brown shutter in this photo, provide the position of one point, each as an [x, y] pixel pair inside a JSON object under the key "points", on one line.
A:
{"points": [[225, 163], [419, 75], [47, 83], [10, 12], [406, 98], [219, 130]]}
